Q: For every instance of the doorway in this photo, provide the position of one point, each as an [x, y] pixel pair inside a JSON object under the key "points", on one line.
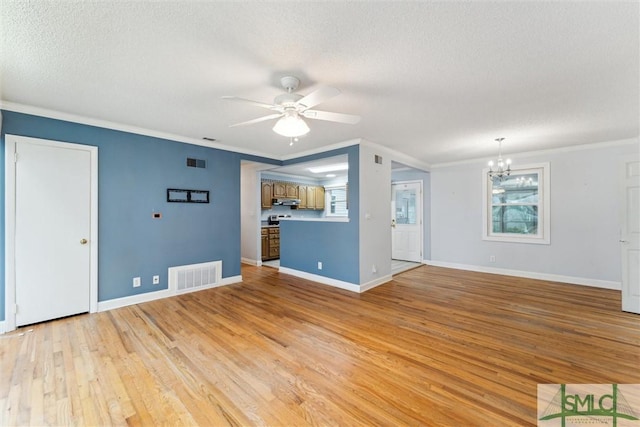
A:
{"points": [[630, 234], [406, 221], [51, 241]]}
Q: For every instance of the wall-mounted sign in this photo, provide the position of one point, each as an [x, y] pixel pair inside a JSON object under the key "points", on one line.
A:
{"points": [[176, 195]]}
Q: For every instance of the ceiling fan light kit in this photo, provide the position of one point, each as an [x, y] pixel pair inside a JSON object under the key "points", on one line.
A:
{"points": [[290, 108], [291, 125]]}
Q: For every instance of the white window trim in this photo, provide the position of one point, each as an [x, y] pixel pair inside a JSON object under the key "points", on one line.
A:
{"points": [[544, 221], [327, 202]]}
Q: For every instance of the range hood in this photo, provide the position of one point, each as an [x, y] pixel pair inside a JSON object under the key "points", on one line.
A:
{"points": [[285, 202]]}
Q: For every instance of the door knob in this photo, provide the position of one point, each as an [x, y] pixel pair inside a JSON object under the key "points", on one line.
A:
{"points": [[84, 241], [393, 223]]}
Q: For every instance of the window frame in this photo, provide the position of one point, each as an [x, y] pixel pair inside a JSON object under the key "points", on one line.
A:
{"points": [[543, 235], [328, 190]]}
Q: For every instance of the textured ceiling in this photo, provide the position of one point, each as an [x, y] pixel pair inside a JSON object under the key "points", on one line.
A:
{"points": [[438, 81]]}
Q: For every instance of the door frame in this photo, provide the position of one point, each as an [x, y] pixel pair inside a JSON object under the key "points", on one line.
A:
{"points": [[10, 222], [420, 219], [628, 306]]}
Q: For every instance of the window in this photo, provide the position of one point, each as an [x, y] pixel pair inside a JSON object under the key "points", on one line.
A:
{"points": [[516, 208], [337, 201]]}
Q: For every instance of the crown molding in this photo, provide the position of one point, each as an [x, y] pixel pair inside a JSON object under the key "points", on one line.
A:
{"points": [[397, 156], [567, 149], [322, 149], [74, 118]]}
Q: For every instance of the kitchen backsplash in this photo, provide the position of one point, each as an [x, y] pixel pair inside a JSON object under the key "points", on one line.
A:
{"points": [[286, 210]]}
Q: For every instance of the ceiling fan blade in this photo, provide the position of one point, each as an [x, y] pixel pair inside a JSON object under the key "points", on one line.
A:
{"points": [[318, 96], [248, 101], [332, 117], [258, 120]]}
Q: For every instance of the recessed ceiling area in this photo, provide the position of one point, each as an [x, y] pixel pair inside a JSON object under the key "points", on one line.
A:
{"points": [[327, 166], [437, 81]]}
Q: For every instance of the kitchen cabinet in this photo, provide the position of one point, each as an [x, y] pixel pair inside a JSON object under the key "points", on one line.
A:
{"points": [[291, 190], [302, 195], [265, 243], [274, 243], [319, 200], [270, 237], [279, 190], [311, 197], [267, 194]]}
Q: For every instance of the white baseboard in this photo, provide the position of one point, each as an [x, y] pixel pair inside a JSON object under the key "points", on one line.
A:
{"points": [[152, 296], [250, 261], [321, 279], [604, 284], [2, 327], [372, 284]]}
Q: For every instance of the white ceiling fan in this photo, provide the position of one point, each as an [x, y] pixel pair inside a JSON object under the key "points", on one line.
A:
{"points": [[291, 107]]}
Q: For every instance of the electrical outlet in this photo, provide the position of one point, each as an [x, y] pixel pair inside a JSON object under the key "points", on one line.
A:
{"points": [[319, 265], [492, 258], [156, 280], [136, 282]]}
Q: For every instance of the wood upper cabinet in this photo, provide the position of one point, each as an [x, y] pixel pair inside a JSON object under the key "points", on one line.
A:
{"points": [[320, 198], [311, 197], [279, 190], [291, 190], [302, 195], [267, 194]]}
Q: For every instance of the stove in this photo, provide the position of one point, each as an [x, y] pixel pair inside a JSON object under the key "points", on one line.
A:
{"points": [[275, 219]]}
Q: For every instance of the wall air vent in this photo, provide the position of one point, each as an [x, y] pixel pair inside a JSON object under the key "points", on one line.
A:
{"points": [[196, 163], [189, 278], [377, 159]]}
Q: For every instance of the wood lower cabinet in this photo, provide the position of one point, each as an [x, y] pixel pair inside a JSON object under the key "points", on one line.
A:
{"points": [[270, 243], [265, 243]]}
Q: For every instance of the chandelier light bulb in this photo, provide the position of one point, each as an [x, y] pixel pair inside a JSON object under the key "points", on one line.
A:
{"points": [[501, 172]]}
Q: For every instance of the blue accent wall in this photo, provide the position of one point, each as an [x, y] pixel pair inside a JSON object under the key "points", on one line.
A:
{"points": [[335, 244], [134, 173]]}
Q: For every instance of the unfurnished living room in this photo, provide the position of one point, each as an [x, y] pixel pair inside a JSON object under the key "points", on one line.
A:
{"points": [[286, 213]]}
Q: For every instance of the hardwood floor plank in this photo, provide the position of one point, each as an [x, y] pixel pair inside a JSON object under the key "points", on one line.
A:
{"points": [[434, 347]]}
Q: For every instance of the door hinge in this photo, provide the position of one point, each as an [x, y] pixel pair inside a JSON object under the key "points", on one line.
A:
{"points": [[15, 157], [15, 308]]}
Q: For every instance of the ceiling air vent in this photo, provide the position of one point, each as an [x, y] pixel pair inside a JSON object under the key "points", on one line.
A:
{"points": [[196, 163]]}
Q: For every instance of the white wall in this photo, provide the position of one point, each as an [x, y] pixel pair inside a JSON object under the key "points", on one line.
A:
{"points": [[584, 217], [250, 213], [375, 215]]}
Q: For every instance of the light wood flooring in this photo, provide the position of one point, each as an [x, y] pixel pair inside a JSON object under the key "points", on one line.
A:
{"points": [[433, 347]]}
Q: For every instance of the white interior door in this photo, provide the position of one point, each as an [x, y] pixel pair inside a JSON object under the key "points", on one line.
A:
{"points": [[630, 235], [406, 221], [53, 233]]}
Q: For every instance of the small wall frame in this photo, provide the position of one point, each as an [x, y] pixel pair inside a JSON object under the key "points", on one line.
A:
{"points": [[177, 195]]}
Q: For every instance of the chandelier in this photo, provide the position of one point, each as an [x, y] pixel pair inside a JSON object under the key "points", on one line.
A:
{"points": [[503, 167]]}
